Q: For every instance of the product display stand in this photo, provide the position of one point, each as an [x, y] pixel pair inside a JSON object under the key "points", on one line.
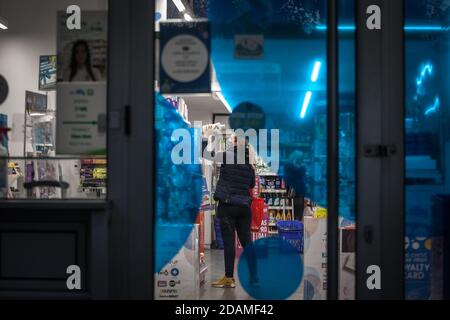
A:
{"points": [[93, 177], [275, 194]]}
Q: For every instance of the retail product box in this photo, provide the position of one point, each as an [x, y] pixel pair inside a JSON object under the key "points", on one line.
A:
{"points": [[180, 278], [315, 258], [347, 263]]}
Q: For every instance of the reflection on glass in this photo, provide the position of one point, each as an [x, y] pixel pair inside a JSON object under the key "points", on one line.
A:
{"points": [[269, 62], [427, 149]]}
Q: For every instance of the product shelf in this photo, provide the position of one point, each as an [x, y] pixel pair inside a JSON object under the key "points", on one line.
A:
{"points": [[273, 191], [281, 207]]}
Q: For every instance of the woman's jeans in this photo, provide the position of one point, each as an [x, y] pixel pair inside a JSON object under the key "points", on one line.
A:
{"points": [[234, 219]]}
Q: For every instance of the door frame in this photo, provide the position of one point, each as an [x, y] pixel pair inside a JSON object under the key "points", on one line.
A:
{"points": [[380, 129], [130, 148]]}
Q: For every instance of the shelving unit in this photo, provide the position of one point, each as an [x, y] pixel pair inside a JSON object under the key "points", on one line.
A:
{"points": [[93, 177], [273, 189]]}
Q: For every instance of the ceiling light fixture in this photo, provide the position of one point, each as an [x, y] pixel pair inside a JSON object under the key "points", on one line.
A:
{"points": [[3, 23], [316, 71], [180, 6], [305, 105]]}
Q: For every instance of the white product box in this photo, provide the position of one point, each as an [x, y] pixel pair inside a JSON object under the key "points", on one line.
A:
{"points": [[315, 258], [180, 278]]}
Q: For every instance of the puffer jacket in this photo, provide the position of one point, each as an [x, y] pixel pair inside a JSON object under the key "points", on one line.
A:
{"points": [[235, 180]]}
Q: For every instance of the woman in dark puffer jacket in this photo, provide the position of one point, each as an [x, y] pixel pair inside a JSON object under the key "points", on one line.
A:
{"points": [[237, 177]]}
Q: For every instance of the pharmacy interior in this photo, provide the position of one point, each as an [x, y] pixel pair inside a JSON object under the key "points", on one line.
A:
{"points": [[54, 153], [219, 69]]}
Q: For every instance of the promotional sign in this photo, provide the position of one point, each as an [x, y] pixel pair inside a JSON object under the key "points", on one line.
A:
{"points": [[249, 46], [47, 73], [81, 119], [35, 102], [185, 57], [179, 279], [263, 230], [82, 54], [418, 267], [315, 258], [81, 88]]}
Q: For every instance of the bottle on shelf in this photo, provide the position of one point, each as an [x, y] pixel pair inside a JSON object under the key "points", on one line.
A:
{"points": [[276, 201], [277, 183]]}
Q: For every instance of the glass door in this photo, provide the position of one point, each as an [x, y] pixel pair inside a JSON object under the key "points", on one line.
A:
{"points": [[427, 143], [250, 74], [232, 74]]}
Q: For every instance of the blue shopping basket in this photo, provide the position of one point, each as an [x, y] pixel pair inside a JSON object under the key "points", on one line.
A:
{"points": [[292, 234]]}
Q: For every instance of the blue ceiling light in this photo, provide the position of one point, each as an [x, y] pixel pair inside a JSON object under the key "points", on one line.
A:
{"points": [[316, 71], [341, 27], [433, 108], [425, 28], [314, 77], [305, 105], [409, 28]]}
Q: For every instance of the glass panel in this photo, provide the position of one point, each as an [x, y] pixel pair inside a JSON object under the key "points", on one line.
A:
{"points": [[347, 167], [53, 71], [427, 149], [268, 74]]}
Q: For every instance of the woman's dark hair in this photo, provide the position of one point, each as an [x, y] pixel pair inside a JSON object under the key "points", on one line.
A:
{"points": [[73, 61]]}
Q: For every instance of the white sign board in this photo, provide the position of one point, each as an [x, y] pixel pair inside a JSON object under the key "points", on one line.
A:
{"points": [[81, 118]]}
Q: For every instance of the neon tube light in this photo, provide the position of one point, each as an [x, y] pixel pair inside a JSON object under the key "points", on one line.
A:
{"points": [[410, 28], [425, 28], [428, 69], [434, 108], [316, 71], [341, 27], [305, 105]]}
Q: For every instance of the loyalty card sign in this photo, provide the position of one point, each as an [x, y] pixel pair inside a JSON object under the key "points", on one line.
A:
{"points": [[185, 57]]}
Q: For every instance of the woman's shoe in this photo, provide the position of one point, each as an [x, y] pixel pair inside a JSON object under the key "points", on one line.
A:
{"points": [[224, 283]]}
